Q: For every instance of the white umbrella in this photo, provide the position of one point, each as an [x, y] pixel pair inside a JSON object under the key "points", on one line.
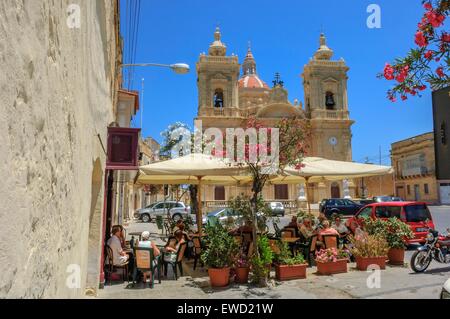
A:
{"points": [[316, 169], [196, 169]]}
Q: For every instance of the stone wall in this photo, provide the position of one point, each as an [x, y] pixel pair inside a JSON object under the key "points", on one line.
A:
{"points": [[56, 101]]}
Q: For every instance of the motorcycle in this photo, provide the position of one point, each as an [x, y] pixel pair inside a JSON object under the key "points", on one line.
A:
{"points": [[436, 247]]}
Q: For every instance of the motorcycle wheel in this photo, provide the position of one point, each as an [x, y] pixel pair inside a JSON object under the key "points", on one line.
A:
{"points": [[419, 262]]}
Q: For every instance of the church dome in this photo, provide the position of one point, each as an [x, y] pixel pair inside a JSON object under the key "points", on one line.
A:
{"points": [[252, 81], [249, 78]]}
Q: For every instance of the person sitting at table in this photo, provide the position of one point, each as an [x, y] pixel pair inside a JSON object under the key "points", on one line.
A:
{"points": [[178, 224], [171, 248], [320, 221], [340, 227], [306, 229], [326, 230], [181, 227], [293, 223], [120, 257], [147, 243]]}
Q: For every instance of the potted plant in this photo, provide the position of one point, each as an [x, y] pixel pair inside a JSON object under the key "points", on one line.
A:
{"points": [[331, 261], [219, 255], [242, 269], [369, 250], [261, 261], [396, 234], [288, 267]]}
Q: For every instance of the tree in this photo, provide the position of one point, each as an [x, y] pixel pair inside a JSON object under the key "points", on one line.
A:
{"points": [[427, 64], [290, 150]]}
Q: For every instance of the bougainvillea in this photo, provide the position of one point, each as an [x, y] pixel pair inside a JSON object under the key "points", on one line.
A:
{"points": [[427, 64]]}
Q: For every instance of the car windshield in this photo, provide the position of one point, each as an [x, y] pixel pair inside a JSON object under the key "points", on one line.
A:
{"points": [[383, 199], [276, 204], [217, 213], [417, 213]]}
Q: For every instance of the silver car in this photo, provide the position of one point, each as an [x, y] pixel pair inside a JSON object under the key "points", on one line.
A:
{"points": [[176, 210]]}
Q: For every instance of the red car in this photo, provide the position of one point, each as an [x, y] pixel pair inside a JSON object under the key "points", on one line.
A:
{"points": [[415, 214]]}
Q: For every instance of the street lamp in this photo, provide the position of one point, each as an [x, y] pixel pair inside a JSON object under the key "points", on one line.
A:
{"points": [[179, 68]]}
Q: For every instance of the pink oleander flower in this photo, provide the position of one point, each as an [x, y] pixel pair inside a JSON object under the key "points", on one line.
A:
{"points": [[420, 39]]}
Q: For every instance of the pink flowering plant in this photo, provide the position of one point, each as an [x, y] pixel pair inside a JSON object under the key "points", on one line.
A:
{"points": [[331, 255], [428, 63]]}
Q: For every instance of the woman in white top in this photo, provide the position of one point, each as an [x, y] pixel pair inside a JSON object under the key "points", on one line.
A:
{"points": [[147, 243]]}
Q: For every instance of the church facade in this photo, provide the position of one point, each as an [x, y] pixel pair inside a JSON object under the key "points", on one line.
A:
{"points": [[229, 93]]}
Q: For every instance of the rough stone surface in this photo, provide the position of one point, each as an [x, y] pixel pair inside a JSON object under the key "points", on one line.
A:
{"points": [[55, 97]]}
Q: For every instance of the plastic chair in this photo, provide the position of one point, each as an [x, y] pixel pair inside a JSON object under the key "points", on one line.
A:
{"points": [[330, 241], [197, 251], [144, 261]]}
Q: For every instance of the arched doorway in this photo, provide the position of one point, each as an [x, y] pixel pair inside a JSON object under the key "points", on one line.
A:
{"points": [[335, 190], [95, 230]]}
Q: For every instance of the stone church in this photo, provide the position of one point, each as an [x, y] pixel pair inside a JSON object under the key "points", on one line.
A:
{"points": [[229, 93]]}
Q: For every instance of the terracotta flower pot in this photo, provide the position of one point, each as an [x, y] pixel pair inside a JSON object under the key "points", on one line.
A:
{"points": [[288, 272], [330, 268], [242, 275], [219, 277], [396, 256], [362, 263]]}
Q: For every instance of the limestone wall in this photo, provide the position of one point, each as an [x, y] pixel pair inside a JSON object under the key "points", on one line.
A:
{"points": [[56, 87]]}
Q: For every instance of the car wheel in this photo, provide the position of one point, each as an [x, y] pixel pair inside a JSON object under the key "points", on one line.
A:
{"points": [[176, 217], [146, 218]]}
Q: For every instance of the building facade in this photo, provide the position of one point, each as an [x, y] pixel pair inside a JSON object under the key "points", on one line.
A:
{"points": [[230, 93], [59, 95], [413, 160]]}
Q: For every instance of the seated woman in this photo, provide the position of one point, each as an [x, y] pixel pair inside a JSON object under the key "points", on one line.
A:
{"points": [[182, 227], [147, 243], [172, 246], [320, 221], [326, 230], [340, 228]]}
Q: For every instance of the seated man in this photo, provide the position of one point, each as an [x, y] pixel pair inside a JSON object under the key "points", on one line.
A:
{"points": [[306, 229], [294, 224], [120, 257], [147, 243]]}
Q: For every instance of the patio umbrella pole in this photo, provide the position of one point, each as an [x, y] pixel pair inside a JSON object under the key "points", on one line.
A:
{"points": [[307, 195], [199, 206]]}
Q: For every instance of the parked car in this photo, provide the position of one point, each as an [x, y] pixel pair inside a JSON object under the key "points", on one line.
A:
{"points": [[176, 210], [385, 198], [340, 206], [415, 214], [445, 294], [221, 215], [224, 215], [277, 209], [364, 202]]}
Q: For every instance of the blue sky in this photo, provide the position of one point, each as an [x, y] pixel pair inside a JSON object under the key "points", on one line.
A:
{"points": [[284, 35]]}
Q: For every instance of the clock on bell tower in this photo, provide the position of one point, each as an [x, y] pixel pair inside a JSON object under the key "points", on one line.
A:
{"points": [[325, 87]]}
